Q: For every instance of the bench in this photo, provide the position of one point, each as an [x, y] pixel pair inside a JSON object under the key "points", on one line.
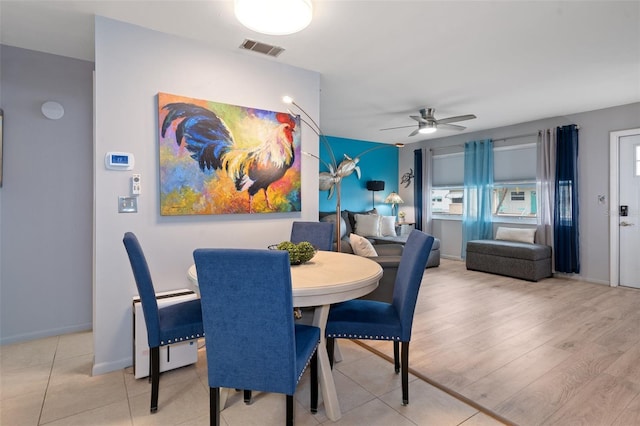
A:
{"points": [[526, 261]]}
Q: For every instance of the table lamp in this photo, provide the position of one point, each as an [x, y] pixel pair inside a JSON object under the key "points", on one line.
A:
{"points": [[393, 199]]}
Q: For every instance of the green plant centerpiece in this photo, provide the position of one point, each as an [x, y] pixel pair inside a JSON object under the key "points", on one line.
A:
{"points": [[298, 253]]}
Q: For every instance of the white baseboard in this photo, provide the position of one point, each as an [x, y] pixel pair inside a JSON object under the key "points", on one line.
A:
{"points": [[108, 367], [45, 333], [579, 278], [450, 257]]}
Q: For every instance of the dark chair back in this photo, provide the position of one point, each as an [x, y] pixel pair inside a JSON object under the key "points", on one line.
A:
{"points": [[319, 234], [410, 271], [146, 291]]}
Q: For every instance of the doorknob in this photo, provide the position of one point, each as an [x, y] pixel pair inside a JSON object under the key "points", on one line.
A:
{"points": [[626, 224]]}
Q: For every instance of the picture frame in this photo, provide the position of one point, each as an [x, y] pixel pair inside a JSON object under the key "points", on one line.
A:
{"points": [[217, 158]]}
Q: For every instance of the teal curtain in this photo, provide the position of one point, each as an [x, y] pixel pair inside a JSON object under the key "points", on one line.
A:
{"points": [[566, 234], [478, 183]]}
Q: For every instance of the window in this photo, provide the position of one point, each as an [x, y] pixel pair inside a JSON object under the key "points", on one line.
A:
{"points": [[514, 191], [517, 195], [514, 200], [448, 179], [447, 201]]}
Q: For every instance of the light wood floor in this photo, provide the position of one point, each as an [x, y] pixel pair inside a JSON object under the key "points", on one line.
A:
{"points": [[555, 352]]}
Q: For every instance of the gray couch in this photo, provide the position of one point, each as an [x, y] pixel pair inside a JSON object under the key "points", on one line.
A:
{"points": [[389, 251], [434, 255], [348, 225], [384, 291]]}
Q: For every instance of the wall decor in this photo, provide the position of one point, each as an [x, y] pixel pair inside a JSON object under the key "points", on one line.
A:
{"points": [[218, 158], [406, 178]]}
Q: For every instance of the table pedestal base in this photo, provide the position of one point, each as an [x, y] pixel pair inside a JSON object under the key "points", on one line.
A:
{"points": [[331, 404]]}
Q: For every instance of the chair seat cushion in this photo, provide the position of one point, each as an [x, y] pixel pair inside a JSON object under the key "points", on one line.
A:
{"points": [[180, 322], [307, 340], [364, 319]]}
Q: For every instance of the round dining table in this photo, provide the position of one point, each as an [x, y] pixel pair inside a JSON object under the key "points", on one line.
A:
{"points": [[329, 277]]}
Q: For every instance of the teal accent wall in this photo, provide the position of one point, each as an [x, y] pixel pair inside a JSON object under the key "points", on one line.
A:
{"points": [[379, 164]]}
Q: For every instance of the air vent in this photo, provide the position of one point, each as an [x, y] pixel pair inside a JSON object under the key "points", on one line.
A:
{"points": [[263, 48]]}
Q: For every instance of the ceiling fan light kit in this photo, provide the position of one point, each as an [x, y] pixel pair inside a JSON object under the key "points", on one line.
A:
{"points": [[427, 129], [427, 123], [274, 17]]}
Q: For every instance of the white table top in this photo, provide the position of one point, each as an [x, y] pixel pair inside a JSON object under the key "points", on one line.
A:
{"points": [[329, 277]]}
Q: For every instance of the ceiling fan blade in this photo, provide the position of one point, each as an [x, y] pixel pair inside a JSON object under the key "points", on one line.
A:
{"points": [[415, 132], [401, 127], [418, 118], [456, 118], [450, 126]]}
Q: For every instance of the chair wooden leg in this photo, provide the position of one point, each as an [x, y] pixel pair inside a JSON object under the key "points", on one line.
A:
{"points": [[330, 346], [214, 406], [247, 396], [405, 373], [154, 366], [289, 410], [396, 355], [314, 383]]}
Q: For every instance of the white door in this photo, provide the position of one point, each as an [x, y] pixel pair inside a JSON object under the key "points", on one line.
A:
{"points": [[629, 200], [624, 190]]}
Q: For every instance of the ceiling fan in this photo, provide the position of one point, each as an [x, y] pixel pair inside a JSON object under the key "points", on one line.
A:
{"points": [[427, 123]]}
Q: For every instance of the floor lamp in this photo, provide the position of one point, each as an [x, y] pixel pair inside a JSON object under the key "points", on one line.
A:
{"points": [[331, 179], [373, 186]]}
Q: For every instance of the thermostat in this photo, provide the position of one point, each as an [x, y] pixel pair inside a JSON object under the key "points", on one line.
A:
{"points": [[119, 161]]}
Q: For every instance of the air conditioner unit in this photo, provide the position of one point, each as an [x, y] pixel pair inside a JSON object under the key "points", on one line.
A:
{"points": [[171, 356]]}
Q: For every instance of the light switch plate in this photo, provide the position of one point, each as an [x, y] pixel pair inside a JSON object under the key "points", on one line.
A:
{"points": [[127, 204]]}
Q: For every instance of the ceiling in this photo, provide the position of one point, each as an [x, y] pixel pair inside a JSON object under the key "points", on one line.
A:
{"points": [[507, 62]]}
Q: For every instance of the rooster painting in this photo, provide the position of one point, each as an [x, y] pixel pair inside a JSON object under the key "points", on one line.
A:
{"points": [[218, 158]]}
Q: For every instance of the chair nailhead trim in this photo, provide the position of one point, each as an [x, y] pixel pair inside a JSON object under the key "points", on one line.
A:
{"points": [[360, 336], [180, 339], [307, 363]]}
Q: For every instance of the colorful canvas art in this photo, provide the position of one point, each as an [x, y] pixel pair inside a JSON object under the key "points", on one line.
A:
{"points": [[225, 159]]}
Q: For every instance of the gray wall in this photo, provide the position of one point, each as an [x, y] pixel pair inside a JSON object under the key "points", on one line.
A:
{"points": [[46, 197], [132, 65], [593, 180]]}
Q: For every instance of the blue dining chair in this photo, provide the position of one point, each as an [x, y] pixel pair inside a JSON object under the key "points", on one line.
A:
{"points": [[165, 326], [319, 234], [252, 341], [374, 320]]}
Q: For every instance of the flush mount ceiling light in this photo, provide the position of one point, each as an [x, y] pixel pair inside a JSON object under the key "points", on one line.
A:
{"points": [[274, 17]]}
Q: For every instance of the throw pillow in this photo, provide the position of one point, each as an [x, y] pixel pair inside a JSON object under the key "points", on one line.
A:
{"points": [[361, 246], [351, 216], [348, 227], [388, 226], [332, 218], [367, 225], [522, 235]]}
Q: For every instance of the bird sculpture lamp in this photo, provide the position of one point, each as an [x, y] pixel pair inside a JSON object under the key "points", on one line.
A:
{"points": [[330, 180]]}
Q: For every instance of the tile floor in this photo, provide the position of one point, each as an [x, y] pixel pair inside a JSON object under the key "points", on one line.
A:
{"points": [[48, 382]]}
